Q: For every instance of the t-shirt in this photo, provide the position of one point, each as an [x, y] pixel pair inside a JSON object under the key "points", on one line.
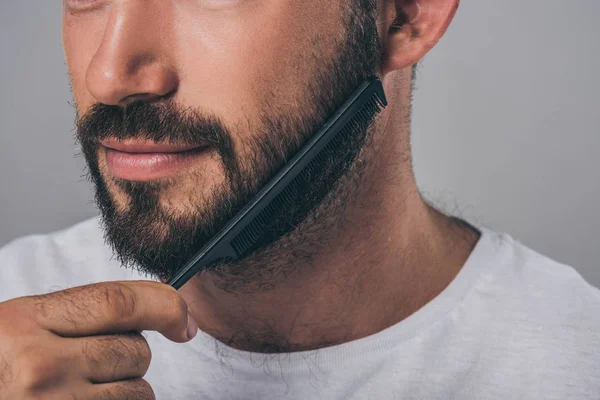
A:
{"points": [[513, 324]]}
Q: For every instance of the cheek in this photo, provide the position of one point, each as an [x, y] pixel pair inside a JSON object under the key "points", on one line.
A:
{"points": [[236, 64]]}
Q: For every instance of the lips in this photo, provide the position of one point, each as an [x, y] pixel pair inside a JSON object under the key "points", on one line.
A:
{"points": [[147, 161], [133, 146]]}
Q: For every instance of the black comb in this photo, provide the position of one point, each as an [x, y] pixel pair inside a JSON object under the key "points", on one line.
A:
{"points": [[241, 234]]}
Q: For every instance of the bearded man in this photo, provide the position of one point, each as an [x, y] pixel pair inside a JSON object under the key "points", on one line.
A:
{"points": [[186, 109]]}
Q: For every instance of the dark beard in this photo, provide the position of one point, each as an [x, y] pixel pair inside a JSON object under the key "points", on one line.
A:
{"points": [[149, 237]]}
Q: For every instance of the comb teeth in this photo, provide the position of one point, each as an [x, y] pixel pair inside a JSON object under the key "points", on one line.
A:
{"points": [[254, 226], [249, 236]]}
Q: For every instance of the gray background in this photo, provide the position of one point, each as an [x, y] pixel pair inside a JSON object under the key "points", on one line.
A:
{"points": [[505, 126]]}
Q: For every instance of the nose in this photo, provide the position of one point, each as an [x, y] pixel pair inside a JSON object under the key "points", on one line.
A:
{"points": [[133, 61]]}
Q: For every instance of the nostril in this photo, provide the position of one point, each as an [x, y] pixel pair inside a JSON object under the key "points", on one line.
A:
{"points": [[140, 97]]}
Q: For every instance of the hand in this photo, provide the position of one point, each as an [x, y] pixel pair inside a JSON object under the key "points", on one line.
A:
{"points": [[84, 343]]}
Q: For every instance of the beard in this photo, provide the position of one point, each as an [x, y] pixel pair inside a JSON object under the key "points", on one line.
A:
{"points": [[150, 237]]}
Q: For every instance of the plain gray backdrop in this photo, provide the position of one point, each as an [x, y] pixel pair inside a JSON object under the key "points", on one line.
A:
{"points": [[505, 132]]}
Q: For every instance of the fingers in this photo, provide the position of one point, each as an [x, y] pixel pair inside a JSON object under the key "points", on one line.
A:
{"points": [[84, 342], [114, 307], [111, 358], [135, 389]]}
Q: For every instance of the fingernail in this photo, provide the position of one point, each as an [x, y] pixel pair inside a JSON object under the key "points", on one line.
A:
{"points": [[192, 327]]}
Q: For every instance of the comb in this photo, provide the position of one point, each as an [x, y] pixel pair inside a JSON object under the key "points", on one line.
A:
{"points": [[243, 231]]}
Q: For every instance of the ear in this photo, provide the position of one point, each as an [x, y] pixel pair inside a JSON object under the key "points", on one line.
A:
{"points": [[411, 28]]}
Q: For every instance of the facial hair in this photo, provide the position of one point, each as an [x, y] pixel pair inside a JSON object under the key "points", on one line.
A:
{"points": [[149, 237]]}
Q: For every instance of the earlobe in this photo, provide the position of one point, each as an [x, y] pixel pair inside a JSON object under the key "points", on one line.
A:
{"points": [[415, 27]]}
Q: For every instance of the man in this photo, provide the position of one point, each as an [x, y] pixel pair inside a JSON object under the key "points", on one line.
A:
{"points": [[185, 110]]}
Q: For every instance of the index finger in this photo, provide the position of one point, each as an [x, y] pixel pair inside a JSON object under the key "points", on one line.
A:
{"points": [[114, 307]]}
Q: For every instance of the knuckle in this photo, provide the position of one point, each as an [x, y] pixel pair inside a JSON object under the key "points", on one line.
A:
{"points": [[138, 351], [129, 349], [135, 389], [146, 354], [35, 372], [143, 389], [67, 306], [91, 352], [120, 300]]}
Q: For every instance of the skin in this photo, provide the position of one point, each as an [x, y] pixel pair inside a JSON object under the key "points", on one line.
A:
{"points": [[228, 57], [64, 345]]}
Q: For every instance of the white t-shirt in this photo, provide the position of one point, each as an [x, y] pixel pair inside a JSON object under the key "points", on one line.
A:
{"points": [[513, 324]]}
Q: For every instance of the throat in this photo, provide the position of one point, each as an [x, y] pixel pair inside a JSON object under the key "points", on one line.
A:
{"points": [[268, 342]]}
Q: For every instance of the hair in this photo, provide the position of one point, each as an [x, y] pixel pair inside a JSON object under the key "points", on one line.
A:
{"points": [[415, 66]]}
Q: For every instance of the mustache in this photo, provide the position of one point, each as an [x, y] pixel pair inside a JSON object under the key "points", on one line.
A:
{"points": [[161, 122]]}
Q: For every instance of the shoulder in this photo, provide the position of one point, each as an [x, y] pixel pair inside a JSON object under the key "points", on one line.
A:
{"points": [[534, 286], [74, 256], [541, 313], [542, 285]]}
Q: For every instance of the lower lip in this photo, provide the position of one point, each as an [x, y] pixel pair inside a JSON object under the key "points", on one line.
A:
{"points": [[151, 166]]}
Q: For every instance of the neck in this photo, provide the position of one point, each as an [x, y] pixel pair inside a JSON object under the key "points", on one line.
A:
{"points": [[391, 255]]}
